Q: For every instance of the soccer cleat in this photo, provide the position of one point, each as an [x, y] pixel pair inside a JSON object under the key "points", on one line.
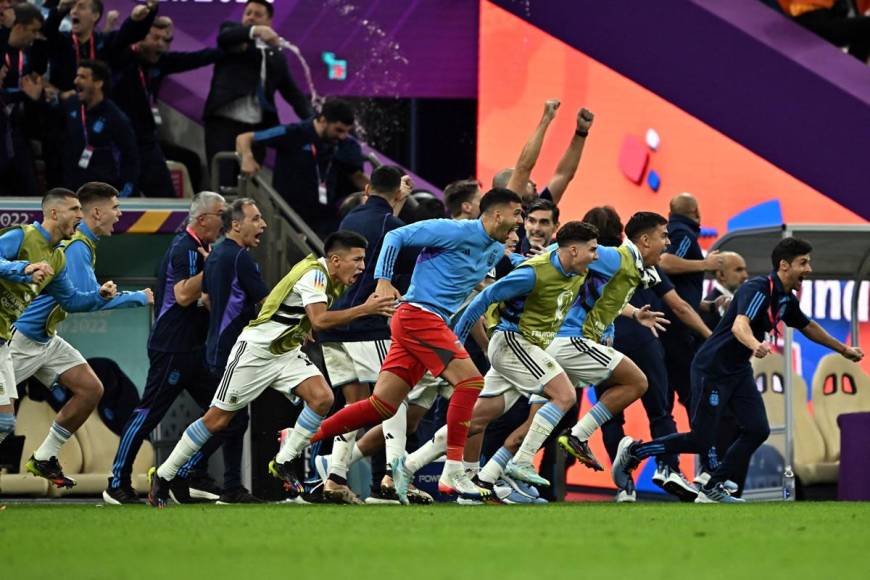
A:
{"points": [[401, 479], [286, 473], [341, 494], [524, 472], [676, 484], [120, 496], [238, 495], [627, 495], [579, 450], [624, 463], [716, 494], [158, 494], [702, 478], [179, 492], [513, 492], [49, 469], [202, 486], [458, 483], [415, 495], [383, 496]]}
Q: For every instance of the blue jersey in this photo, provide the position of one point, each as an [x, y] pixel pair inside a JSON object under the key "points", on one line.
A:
{"points": [[178, 328], [234, 286], [600, 272], [80, 272], [765, 302], [372, 220], [456, 256], [683, 233]]}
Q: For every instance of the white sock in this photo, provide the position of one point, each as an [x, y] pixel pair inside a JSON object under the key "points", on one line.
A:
{"points": [[429, 451], [306, 426], [494, 468], [55, 439], [396, 434], [355, 455], [595, 418], [543, 424], [471, 467], [192, 440], [342, 447]]}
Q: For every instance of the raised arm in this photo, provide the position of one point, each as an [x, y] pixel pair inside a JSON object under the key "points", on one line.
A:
{"points": [[11, 268], [517, 283], [686, 313], [70, 299], [567, 167], [81, 276], [290, 91], [532, 149]]}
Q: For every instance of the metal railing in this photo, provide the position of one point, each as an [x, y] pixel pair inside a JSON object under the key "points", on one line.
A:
{"points": [[288, 238]]}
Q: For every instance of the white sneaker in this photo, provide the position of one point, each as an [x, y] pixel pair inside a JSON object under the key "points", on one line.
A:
{"points": [[717, 494], [623, 464], [660, 475], [458, 483], [677, 485], [627, 495], [702, 478]]}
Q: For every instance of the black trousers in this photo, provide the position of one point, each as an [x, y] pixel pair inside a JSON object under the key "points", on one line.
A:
{"points": [[840, 30], [220, 135], [169, 374], [737, 393], [656, 402], [154, 178], [680, 348]]}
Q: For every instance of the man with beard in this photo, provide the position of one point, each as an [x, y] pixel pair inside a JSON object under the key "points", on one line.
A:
{"points": [[312, 154], [722, 374]]}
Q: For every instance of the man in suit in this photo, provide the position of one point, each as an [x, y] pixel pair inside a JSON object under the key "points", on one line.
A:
{"points": [[242, 94]]}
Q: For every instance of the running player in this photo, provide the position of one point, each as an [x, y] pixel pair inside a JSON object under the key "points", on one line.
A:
{"points": [[722, 374], [268, 354], [457, 256], [38, 351], [32, 262]]}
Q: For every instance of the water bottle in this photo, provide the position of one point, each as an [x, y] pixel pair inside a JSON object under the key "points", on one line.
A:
{"points": [[788, 484]]}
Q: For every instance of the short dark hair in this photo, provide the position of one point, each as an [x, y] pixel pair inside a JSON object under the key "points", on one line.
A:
{"points": [[270, 10], [540, 204], [642, 222], [56, 194], [236, 211], [608, 223], [576, 232], [459, 192], [498, 196], [337, 110], [94, 192], [788, 249], [97, 6], [429, 208], [26, 14], [343, 240], [99, 70], [387, 179]]}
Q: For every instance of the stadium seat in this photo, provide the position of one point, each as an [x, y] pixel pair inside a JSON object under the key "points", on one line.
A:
{"points": [[86, 457], [839, 386], [180, 179], [810, 463]]}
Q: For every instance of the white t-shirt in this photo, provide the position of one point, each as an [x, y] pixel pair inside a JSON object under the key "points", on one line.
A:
{"points": [[309, 289]]}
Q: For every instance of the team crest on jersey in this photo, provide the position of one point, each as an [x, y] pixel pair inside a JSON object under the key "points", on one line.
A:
{"points": [[714, 399], [173, 377]]}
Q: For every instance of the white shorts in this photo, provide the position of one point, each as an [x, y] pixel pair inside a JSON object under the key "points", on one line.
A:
{"points": [[44, 360], [586, 363], [7, 376], [354, 362], [251, 369], [518, 368], [428, 389]]}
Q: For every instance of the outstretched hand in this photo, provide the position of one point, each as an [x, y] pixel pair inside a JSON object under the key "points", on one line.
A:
{"points": [[653, 320]]}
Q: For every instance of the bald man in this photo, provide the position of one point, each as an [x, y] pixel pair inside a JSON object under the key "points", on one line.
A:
{"points": [[685, 264], [727, 279]]}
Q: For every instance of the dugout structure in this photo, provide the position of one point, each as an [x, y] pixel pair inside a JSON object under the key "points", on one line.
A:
{"points": [[840, 252]]}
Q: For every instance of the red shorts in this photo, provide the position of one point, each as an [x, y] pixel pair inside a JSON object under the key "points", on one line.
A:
{"points": [[421, 341]]}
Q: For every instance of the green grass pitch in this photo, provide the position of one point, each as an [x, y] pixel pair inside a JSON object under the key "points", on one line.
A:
{"points": [[582, 541]]}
